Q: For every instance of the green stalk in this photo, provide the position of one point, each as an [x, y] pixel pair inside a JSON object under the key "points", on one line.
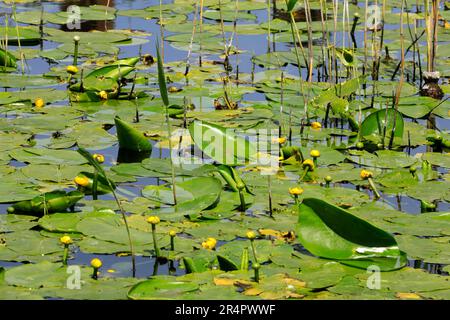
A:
{"points": [[65, 254], [100, 170], [18, 39], [254, 250], [172, 243], [304, 174], [95, 185], [75, 51], [256, 267], [155, 243], [269, 183], [165, 98], [296, 199], [242, 199], [374, 188], [95, 274], [296, 38]]}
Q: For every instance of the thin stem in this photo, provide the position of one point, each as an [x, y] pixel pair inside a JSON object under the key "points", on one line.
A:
{"points": [[155, 243]]}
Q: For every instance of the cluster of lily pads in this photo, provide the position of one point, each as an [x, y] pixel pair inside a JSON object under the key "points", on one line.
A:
{"points": [[87, 171]]}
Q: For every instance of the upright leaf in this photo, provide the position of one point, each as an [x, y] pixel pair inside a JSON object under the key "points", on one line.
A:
{"points": [[291, 4], [130, 138], [222, 144], [332, 232], [162, 78], [381, 124], [7, 59]]}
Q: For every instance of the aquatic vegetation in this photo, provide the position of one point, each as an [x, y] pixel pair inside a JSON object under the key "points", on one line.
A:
{"points": [[225, 149]]}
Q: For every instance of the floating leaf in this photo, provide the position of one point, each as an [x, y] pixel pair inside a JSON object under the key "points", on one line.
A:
{"points": [[161, 287]]}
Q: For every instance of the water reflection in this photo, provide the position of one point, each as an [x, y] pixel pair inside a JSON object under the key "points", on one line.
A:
{"points": [[99, 25], [299, 15]]}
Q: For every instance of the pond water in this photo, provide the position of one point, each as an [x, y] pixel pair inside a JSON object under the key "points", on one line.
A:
{"points": [[253, 46]]}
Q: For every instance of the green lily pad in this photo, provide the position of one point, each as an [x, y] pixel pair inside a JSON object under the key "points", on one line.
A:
{"points": [[331, 232]]}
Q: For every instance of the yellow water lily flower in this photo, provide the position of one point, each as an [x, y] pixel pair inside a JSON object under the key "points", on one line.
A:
{"points": [[103, 95], [280, 140], [66, 240], [316, 125], [315, 153], [153, 220], [296, 191], [72, 69], [99, 157], [39, 103], [96, 263], [172, 233], [251, 235], [81, 181], [365, 174], [209, 244], [308, 163]]}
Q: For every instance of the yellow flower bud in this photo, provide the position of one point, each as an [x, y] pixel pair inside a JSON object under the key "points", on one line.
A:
{"points": [[172, 233], [39, 103], [365, 174], [209, 244], [153, 220], [96, 263], [308, 163], [99, 157], [81, 181], [296, 191], [315, 153], [173, 89], [66, 240], [103, 95], [316, 125], [251, 235], [72, 69]]}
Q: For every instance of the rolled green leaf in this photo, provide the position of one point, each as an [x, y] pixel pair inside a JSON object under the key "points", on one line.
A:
{"points": [[244, 259], [55, 201], [162, 78], [291, 4], [7, 59], [226, 264], [127, 61], [222, 144], [232, 178], [331, 232], [381, 123], [130, 138]]}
